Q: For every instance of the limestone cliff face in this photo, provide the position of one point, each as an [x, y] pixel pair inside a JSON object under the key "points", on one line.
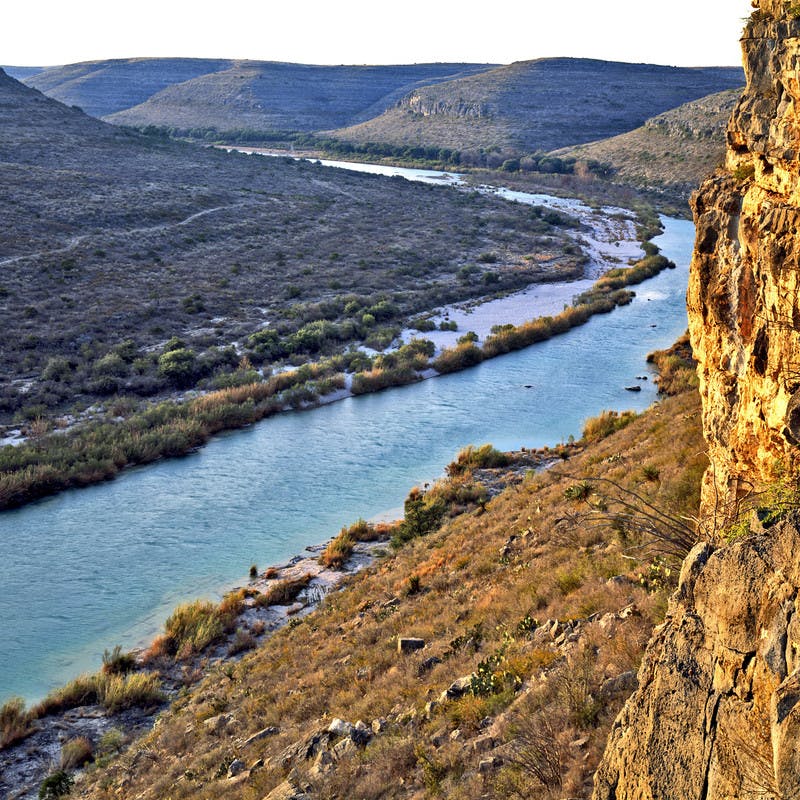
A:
{"points": [[717, 712], [744, 306], [428, 105]]}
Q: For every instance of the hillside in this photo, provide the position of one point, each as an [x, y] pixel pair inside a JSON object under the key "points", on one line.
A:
{"points": [[672, 152], [533, 593], [116, 246], [539, 105], [21, 73], [103, 87], [232, 95]]}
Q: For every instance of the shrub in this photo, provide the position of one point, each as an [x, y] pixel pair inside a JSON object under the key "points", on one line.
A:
{"points": [[139, 690], [75, 753], [337, 551], [178, 366], [117, 663], [192, 627], [458, 358], [82, 691], [15, 722], [56, 785], [285, 591], [470, 458], [578, 491], [606, 423], [423, 514]]}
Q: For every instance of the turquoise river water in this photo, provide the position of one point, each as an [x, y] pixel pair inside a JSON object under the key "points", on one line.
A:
{"points": [[87, 569]]}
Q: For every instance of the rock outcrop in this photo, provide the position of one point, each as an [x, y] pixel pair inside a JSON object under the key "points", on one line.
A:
{"points": [[716, 715], [743, 293], [717, 712]]}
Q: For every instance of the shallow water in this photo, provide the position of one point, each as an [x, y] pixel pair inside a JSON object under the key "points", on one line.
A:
{"points": [[87, 569]]}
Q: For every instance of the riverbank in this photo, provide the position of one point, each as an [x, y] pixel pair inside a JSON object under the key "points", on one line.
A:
{"points": [[93, 452], [520, 587], [202, 638]]}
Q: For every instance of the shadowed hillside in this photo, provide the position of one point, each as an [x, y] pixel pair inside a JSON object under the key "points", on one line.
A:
{"points": [[540, 105], [116, 240], [231, 95], [103, 87], [673, 152]]}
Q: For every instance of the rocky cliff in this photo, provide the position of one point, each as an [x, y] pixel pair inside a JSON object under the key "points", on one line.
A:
{"points": [[717, 712], [743, 292], [716, 715]]}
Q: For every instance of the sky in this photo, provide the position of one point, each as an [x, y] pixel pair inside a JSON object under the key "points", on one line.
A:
{"points": [[678, 32]]}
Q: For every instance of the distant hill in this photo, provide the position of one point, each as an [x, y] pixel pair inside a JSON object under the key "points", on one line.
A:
{"points": [[103, 87], [673, 151], [232, 95], [540, 105], [21, 73]]}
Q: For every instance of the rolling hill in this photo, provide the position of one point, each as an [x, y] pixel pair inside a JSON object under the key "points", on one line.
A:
{"points": [[540, 105], [228, 95], [673, 151], [111, 236]]}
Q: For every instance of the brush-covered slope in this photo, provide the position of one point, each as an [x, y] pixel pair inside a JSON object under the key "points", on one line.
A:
{"points": [[20, 73], [103, 87], [533, 607], [236, 95], [109, 236], [673, 152], [540, 105]]}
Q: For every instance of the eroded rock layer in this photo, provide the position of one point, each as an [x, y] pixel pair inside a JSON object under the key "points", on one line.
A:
{"points": [[743, 293], [717, 712]]}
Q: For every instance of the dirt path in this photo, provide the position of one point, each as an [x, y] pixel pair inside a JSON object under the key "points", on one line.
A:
{"points": [[77, 240]]}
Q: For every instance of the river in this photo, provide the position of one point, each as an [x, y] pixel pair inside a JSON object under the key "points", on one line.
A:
{"points": [[87, 569]]}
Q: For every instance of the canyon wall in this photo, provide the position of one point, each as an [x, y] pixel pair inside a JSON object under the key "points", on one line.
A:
{"points": [[744, 284], [716, 715]]}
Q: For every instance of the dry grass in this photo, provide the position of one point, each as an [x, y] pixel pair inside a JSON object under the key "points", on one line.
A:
{"points": [[15, 722], [482, 581], [75, 753], [113, 692], [340, 548]]}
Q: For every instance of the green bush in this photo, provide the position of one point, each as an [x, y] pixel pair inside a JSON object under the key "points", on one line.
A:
{"points": [[56, 785], [423, 514], [178, 366]]}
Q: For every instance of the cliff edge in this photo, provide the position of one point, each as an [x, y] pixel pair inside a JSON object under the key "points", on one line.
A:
{"points": [[743, 290], [716, 714]]}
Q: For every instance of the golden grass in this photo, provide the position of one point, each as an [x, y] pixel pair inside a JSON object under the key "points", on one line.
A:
{"points": [[483, 581]]}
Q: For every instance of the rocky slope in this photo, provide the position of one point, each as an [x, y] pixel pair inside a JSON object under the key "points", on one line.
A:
{"points": [[716, 712], [672, 152], [540, 105]]}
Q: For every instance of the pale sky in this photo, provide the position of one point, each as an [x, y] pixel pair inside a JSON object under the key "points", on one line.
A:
{"points": [[677, 32]]}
